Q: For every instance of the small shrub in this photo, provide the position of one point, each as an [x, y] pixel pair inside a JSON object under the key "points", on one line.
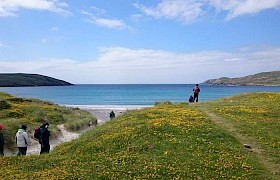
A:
{"points": [[4, 104], [160, 103], [18, 100], [15, 113], [55, 118]]}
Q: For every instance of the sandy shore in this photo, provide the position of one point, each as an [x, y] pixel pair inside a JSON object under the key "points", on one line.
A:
{"points": [[102, 113]]}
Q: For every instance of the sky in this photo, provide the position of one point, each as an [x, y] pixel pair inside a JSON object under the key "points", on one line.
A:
{"points": [[139, 41]]}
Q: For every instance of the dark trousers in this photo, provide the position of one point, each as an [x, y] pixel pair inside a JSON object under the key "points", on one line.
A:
{"points": [[22, 151], [1, 150], [195, 97], [45, 149]]}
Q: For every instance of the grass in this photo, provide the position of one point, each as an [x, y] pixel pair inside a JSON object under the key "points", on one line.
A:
{"points": [[168, 141], [257, 117], [15, 111]]}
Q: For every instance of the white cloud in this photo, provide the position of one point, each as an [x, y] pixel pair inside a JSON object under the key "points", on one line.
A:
{"points": [[105, 22], [189, 11], [110, 23], [11, 7], [237, 8], [123, 65], [185, 11]]}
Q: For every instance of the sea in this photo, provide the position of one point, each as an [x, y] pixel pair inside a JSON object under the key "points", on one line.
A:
{"points": [[128, 94]]}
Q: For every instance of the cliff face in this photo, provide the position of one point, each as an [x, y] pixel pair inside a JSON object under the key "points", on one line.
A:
{"points": [[22, 79], [260, 79]]}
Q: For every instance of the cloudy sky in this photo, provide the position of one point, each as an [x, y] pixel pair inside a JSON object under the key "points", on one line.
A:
{"points": [[139, 41]]}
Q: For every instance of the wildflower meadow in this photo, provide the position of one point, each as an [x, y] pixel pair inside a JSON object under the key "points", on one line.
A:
{"points": [[167, 141]]}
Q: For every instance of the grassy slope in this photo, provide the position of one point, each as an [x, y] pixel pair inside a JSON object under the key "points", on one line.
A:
{"points": [[166, 142], [256, 120], [264, 78], [16, 111]]}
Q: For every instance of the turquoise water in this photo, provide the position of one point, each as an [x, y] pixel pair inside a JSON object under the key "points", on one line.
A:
{"points": [[132, 94]]}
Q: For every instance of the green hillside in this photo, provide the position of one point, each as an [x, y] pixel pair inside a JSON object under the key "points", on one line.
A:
{"points": [[260, 79], [169, 141], [15, 111], [21, 79]]}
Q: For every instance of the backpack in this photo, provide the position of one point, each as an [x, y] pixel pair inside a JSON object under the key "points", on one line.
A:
{"points": [[196, 90], [191, 99], [37, 133]]}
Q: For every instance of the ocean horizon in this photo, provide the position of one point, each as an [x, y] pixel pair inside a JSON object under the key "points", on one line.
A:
{"points": [[128, 95]]}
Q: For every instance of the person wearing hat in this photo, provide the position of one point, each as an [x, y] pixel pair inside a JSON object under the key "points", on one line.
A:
{"points": [[1, 141], [22, 140], [44, 138]]}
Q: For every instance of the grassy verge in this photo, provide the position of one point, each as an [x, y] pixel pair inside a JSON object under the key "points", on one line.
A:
{"points": [[257, 118], [15, 111], [164, 142]]}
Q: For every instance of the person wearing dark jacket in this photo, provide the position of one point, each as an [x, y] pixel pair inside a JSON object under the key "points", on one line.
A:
{"points": [[112, 115], [44, 138], [1, 141], [196, 91]]}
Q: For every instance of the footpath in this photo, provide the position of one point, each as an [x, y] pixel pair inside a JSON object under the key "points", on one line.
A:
{"points": [[247, 141]]}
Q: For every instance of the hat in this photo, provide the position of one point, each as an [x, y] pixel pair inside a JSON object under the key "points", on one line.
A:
{"points": [[1, 126], [23, 127]]}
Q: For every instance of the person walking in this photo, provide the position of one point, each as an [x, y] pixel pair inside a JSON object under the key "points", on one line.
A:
{"points": [[112, 115], [22, 140], [1, 141], [196, 91], [44, 138]]}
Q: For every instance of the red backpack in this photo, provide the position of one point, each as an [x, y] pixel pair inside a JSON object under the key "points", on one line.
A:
{"points": [[37, 133], [196, 90]]}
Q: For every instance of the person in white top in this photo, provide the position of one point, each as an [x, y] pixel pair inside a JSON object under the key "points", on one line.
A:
{"points": [[22, 140]]}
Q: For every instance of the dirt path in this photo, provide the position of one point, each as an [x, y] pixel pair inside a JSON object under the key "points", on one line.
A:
{"points": [[35, 147], [102, 116], [261, 154]]}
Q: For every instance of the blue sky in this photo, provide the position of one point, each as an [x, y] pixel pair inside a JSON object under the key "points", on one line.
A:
{"points": [[126, 41]]}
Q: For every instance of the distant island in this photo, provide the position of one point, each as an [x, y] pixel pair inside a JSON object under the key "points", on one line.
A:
{"points": [[22, 79], [260, 79]]}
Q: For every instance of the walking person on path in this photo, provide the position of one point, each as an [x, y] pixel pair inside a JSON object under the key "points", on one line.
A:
{"points": [[1, 141], [44, 138], [196, 91], [22, 140]]}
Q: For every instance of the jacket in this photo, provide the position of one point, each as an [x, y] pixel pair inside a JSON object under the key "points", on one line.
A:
{"points": [[1, 138], [45, 136], [22, 139]]}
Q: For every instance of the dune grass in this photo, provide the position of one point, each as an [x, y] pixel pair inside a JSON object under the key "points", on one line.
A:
{"points": [[168, 141], [15, 111]]}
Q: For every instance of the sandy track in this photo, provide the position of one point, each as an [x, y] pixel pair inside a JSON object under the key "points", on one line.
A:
{"points": [[101, 113]]}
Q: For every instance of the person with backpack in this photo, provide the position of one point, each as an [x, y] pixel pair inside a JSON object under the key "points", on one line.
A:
{"points": [[191, 99], [44, 138], [22, 140], [196, 91], [1, 141]]}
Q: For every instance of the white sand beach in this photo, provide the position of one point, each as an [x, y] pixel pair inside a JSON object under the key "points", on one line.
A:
{"points": [[102, 113]]}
